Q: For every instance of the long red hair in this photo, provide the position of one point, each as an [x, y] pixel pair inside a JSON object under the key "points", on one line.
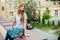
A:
{"points": [[21, 12]]}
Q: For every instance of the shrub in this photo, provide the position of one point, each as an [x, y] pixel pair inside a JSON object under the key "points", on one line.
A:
{"points": [[59, 23], [29, 9], [53, 22], [39, 19], [46, 15], [43, 20]]}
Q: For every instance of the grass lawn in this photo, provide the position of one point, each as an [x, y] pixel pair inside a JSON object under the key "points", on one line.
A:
{"points": [[45, 27], [57, 33]]}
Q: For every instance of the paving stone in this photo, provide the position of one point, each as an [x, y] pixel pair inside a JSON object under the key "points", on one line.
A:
{"points": [[34, 34]]}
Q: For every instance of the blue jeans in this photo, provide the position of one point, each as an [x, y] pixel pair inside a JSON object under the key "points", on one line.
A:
{"points": [[23, 33], [8, 37]]}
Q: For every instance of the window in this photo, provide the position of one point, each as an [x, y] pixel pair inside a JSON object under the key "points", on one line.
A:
{"points": [[54, 3], [19, 1], [56, 12], [10, 5], [11, 13], [39, 3], [59, 2], [46, 0], [55, 0], [2, 8], [26, 1], [14, 5]]}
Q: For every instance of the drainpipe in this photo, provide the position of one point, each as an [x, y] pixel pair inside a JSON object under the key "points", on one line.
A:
{"points": [[0, 9], [6, 11]]}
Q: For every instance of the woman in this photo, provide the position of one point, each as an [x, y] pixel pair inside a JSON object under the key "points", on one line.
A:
{"points": [[20, 18]]}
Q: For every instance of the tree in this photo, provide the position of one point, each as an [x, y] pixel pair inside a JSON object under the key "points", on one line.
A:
{"points": [[39, 20], [30, 6], [46, 15]]}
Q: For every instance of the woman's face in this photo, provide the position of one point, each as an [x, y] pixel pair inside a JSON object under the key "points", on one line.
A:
{"points": [[22, 7]]}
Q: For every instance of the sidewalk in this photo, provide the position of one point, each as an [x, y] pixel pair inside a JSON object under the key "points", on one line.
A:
{"points": [[34, 34], [1, 38], [2, 31]]}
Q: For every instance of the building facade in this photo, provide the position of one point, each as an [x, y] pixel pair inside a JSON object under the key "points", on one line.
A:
{"points": [[10, 6], [54, 7], [0, 9]]}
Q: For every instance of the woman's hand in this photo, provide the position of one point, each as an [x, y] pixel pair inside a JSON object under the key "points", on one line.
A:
{"points": [[13, 22], [27, 33]]}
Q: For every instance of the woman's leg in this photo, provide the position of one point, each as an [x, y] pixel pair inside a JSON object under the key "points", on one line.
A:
{"points": [[10, 38], [7, 37], [23, 33]]}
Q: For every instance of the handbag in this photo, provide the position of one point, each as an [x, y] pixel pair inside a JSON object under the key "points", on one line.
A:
{"points": [[15, 32], [29, 26]]}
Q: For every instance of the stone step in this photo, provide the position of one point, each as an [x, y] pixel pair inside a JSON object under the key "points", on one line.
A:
{"points": [[6, 24], [1, 37], [2, 31], [34, 34]]}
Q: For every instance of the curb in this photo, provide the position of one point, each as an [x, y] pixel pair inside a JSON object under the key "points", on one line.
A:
{"points": [[2, 31]]}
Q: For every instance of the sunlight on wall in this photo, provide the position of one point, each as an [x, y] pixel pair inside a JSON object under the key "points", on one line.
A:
{"points": [[2, 0]]}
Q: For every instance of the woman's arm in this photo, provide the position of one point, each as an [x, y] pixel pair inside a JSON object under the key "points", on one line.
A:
{"points": [[13, 22], [25, 22]]}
